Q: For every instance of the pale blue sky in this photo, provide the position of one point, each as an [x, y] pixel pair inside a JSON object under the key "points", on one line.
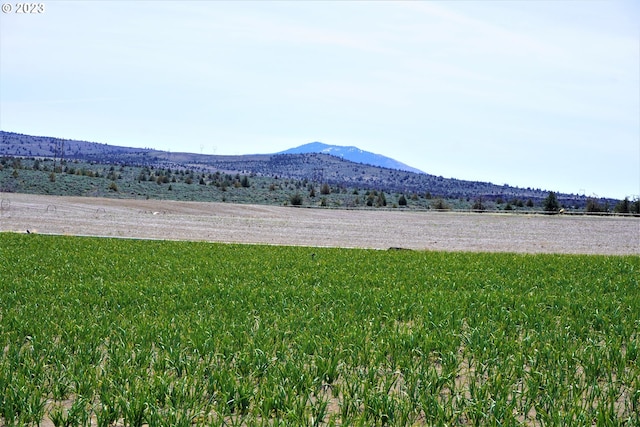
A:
{"points": [[541, 94]]}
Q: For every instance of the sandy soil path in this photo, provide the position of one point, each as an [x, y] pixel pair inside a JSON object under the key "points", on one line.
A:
{"points": [[221, 222]]}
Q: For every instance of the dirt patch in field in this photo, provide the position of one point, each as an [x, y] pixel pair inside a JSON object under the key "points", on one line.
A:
{"points": [[222, 222]]}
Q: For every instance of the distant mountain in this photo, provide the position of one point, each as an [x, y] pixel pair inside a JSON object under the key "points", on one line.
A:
{"points": [[353, 154], [347, 167]]}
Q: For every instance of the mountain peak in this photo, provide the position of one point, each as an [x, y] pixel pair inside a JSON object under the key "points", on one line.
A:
{"points": [[351, 153]]}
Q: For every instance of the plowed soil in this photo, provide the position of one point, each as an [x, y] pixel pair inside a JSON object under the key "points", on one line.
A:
{"points": [[280, 225]]}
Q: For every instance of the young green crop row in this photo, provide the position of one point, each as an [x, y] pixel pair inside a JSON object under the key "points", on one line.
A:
{"points": [[123, 332]]}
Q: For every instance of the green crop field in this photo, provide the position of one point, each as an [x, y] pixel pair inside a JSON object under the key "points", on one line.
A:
{"points": [[126, 332]]}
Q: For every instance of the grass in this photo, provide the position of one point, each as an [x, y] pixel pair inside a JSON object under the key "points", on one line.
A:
{"points": [[108, 331]]}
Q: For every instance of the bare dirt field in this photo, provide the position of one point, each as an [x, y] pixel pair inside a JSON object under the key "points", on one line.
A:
{"points": [[222, 222]]}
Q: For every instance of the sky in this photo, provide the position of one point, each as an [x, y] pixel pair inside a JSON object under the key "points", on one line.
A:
{"points": [[540, 94]]}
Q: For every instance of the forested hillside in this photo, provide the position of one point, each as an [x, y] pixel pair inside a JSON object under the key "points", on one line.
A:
{"points": [[311, 169]]}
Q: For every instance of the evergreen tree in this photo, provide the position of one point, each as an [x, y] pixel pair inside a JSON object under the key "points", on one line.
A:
{"points": [[623, 206], [440, 204], [478, 205], [551, 203], [382, 200], [593, 206]]}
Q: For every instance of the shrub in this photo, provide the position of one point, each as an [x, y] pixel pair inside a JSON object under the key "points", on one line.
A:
{"points": [[325, 189], [440, 204], [296, 200]]}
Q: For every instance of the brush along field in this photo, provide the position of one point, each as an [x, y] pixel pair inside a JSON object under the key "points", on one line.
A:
{"points": [[222, 222], [124, 332]]}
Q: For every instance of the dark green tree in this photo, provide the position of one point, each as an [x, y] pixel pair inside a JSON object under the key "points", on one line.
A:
{"points": [[623, 206], [551, 203], [440, 204], [382, 200], [593, 206], [478, 206]]}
